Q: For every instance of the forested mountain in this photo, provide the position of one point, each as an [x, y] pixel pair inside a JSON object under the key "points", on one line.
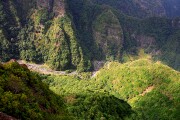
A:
{"points": [[137, 40], [71, 34], [39, 31], [151, 88], [157, 36], [145, 8], [23, 95]]}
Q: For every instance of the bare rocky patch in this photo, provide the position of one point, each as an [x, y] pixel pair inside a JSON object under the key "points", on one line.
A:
{"points": [[149, 89], [4, 116]]}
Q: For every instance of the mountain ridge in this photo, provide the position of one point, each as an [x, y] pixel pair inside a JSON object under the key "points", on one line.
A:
{"points": [[145, 8]]}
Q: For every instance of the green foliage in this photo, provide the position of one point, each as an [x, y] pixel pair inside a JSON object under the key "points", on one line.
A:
{"points": [[33, 33], [27, 48], [142, 9], [24, 96], [131, 9], [4, 47], [83, 13], [69, 53], [152, 89], [98, 106], [9, 27], [86, 15], [171, 54], [84, 103], [108, 35]]}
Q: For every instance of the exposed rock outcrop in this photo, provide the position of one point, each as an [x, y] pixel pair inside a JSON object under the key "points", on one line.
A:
{"points": [[4, 116]]}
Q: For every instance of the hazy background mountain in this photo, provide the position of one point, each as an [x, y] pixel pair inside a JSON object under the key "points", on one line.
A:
{"points": [[145, 8]]}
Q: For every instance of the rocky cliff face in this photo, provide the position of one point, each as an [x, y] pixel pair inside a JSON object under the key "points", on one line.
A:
{"points": [[108, 35], [4, 116], [43, 31]]}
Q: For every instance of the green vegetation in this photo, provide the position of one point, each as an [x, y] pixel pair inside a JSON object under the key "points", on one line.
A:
{"points": [[85, 103], [108, 35], [4, 47], [9, 27], [171, 54], [142, 9], [80, 32], [152, 89], [96, 106], [153, 34], [52, 41], [24, 96], [31, 31]]}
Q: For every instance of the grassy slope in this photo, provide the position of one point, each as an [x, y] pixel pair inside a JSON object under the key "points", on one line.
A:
{"points": [[130, 81]]}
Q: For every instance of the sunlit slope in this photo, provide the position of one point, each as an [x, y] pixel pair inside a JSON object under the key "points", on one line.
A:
{"points": [[152, 89]]}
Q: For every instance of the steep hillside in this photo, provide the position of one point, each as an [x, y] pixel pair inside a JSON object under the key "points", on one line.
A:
{"points": [[152, 89], [40, 31], [144, 8], [108, 35], [153, 34], [172, 7], [24, 96], [142, 36], [71, 34]]}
